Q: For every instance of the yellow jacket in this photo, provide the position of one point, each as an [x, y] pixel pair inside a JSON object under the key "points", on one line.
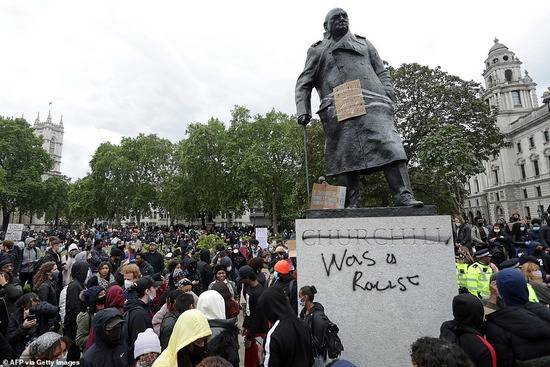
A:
{"points": [[191, 325]]}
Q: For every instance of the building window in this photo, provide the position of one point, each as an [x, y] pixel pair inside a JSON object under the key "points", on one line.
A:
{"points": [[505, 57], [477, 185], [477, 202], [52, 146], [522, 169], [539, 192], [540, 210], [531, 142], [516, 99], [546, 136], [525, 196], [497, 196], [495, 173], [508, 75], [469, 204], [527, 212], [518, 146], [536, 167]]}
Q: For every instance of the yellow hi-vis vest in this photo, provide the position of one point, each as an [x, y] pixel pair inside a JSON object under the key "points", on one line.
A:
{"points": [[461, 272], [532, 295], [478, 279]]}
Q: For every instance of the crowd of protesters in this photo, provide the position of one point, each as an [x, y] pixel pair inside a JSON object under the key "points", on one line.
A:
{"points": [[155, 297], [501, 314]]}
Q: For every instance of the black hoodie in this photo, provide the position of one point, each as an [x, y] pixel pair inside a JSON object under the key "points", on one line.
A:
{"points": [[104, 353], [288, 342], [137, 317], [224, 341], [465, 329], [73, 305]]}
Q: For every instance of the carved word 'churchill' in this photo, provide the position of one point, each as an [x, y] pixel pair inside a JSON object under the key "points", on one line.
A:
{"points": [[356, 110]]}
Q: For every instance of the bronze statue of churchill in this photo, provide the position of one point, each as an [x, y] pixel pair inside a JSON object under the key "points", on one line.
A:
{"points": [[361, 144]]}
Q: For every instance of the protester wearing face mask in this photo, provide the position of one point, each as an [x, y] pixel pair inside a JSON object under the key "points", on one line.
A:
{"points": [[94, 298], [533, 275], [44, 285], [137, 311], [187, 345], [462, 233], [69, 259], [313, 314], [130, 273], [73, 305], [109, 348]]}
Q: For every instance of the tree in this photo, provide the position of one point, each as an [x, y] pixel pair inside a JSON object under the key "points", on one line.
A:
{"points": [[57, 194], [82, 201], [23, 161], [268, 161], [447, 131], [127, 178]]}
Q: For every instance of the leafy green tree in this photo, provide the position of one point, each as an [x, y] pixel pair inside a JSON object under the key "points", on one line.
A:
{"points": [[82, 201], [23, 161], [57, 194], [128, 177], [447, 131]]}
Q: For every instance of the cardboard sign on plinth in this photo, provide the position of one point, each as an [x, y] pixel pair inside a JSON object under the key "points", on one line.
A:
{"points": [[325, 196], [385, 281]]}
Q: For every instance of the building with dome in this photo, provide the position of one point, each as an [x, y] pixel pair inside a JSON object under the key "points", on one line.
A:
{"points": [[518, 178]]}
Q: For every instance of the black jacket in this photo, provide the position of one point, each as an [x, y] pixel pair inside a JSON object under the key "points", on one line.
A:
{"points": [[166, 328], [48, 292], [73, 304], [465, 329], [468, 339], [519, 333], [464, 235], [224, 341], [288, 342], [155, 259], [317, 323], [102, 353], [137, 317], [19, 337], [290, 290]]}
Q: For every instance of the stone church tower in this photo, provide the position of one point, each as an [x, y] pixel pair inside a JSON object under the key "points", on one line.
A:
{"points": [[52, 134]]}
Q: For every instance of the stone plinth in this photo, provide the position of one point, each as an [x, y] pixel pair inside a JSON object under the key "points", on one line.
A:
{"points": [[385, 281]]}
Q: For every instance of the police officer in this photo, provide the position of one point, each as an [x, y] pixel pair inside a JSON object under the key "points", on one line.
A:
{"points": [[479, 274]]}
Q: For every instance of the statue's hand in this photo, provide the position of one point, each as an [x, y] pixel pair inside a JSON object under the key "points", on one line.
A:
{"points": [[304, 119]]}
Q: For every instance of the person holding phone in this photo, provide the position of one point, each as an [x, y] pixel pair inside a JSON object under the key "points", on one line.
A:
{"points": [[30, 320]]}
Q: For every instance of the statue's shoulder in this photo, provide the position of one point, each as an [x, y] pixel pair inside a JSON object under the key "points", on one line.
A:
{"points": [[361, 37], [316, 44]]}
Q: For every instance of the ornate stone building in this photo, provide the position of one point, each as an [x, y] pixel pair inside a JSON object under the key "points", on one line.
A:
{"points": [[52, 134], [518, 179]]}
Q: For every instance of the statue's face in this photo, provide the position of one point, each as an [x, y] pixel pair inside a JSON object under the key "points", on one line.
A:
{"points": [[339, 23]]}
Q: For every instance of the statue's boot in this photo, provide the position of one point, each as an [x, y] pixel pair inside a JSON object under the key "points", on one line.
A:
{"points": [[353, 192], [397, 176]]}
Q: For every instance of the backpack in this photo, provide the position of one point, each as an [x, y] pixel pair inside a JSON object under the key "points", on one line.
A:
{"points": [[332, 341]]}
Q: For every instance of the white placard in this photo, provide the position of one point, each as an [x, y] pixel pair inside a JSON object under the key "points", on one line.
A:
{"points": [[14, 232], [261, 236]]}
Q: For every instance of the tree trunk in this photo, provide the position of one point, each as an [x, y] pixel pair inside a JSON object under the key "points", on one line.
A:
{"points": [[5, 218], [203, 220], [138, 218], [274, 222]]}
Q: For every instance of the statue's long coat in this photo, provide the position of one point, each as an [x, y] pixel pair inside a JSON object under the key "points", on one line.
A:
{"points": [[360, 144]]}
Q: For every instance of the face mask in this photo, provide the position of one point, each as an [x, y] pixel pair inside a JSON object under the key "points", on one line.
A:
{"points": [[522, 228], [197, 354], [536, 228], [537, 274], [113, 336], [302, 303], [496, 230], [128, 283], [275, 275], [55, 274], [101, 300]]}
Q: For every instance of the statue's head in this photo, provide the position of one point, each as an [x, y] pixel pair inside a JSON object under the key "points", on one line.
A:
{"points": [[336, 23]]}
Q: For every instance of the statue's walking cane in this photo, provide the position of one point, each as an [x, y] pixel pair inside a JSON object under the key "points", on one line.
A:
{"points": [[305, 162]]}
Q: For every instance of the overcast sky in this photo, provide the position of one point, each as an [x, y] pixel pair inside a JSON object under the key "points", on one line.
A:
{"points": [[118, 68]]}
